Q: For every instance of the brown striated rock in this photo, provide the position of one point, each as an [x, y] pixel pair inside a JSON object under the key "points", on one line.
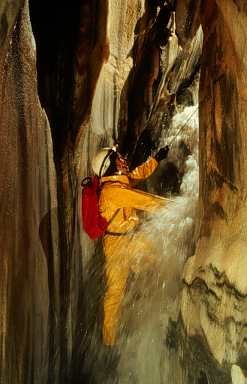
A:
{"points": [[29, 299], [106, 103], [188, 19], [214, 298], [109, 64], [92, 51], [9, 11]]}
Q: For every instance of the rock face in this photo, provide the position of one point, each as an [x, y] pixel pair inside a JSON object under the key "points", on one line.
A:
{"points": [[214, 297], [29, 232], [111, 71], [8, 14]]}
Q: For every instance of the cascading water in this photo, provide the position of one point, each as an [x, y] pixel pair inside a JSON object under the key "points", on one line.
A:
{"points": [[152, 302], [147, 349]]}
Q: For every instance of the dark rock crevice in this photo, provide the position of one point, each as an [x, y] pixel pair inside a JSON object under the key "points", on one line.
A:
{"points": [[55, 26], [42, 324], [71, 47], [152, 34]]}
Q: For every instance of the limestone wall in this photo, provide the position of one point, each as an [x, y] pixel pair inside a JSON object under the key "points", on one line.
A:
{"points": [[29, 265], [214, 298]]}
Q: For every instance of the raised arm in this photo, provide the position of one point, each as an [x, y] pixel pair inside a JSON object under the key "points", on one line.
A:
{"points": [[144, 170]]}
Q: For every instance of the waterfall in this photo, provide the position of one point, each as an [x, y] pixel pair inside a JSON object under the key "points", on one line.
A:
{"points": [[147, 348], [152, 301]]}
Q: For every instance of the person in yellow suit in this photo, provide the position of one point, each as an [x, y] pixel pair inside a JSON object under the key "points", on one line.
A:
{"points": [[119, 203]]}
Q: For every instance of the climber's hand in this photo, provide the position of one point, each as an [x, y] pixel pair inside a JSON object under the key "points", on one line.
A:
{"points": [[162, 153]]}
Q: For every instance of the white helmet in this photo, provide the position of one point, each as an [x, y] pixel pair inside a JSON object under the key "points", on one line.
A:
{"points": [[101, 161]]}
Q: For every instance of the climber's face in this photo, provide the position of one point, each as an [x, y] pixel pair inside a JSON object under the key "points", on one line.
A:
{"points": [[121, 164]]}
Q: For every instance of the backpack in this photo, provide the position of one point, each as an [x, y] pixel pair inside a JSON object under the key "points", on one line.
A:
{"points": [[93, 223]]}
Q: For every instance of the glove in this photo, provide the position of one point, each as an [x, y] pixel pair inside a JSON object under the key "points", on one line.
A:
{"points": [[162, 153]]}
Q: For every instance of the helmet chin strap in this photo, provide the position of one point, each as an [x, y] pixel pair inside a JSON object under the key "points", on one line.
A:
{"points": [[113, 149], [104, 161]]}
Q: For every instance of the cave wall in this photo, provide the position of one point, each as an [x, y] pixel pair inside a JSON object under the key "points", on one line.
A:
{"points": [[109, 121], [214, 296], [29, 232], [45, 153], [44, 265], [8, 14], [71, 48]]}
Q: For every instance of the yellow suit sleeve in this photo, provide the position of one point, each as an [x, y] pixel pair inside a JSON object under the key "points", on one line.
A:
{"points": [[144, 170], [132, 198]]}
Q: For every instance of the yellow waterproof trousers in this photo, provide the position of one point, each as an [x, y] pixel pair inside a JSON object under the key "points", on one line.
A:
{"points": [[119, 204], [122, 254]]}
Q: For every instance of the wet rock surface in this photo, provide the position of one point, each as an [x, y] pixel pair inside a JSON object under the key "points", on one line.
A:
{"points": [[215, 291], [106, 72], [29, 230]]}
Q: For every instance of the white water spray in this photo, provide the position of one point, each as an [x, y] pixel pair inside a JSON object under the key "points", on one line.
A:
{"points": [[147, 348], [152, 300]]}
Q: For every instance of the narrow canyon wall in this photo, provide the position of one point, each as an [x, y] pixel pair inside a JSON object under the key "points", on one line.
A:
{"points": [[44, 265], [29, 283], [109, 121], [214, 296], [91, 87]]}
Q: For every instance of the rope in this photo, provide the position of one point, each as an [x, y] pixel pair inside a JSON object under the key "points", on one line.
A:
{"points": [[162, 81], [184, 125]]}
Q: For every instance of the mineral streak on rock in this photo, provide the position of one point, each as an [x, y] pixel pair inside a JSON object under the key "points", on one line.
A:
{"points": [[214, 297], [102, 67], [29, 283]]}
